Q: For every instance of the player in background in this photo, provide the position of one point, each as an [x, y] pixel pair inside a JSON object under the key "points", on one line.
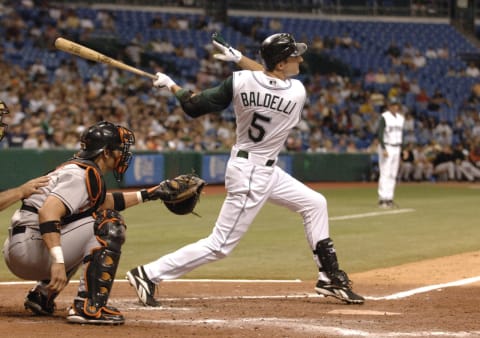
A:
{"points": [[8, 197], [268, 104], [390, 136], [74, 222]]}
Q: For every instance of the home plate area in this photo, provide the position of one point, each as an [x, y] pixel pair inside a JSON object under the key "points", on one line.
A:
{"points": [[261, 309]]}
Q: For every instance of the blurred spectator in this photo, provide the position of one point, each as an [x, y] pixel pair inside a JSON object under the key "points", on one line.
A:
{"points": [[37, 69], [414, 87], [377, 98], [409, 124], [36, 139], [393, 50], [369, 77], [201, 22], [172, 22], [422, 98], [409, 51], [380, 77], [197, 144], [161, 46], [16, 135], [418, 60], [443, 133], [423, 164], [182, 22], [472, 70], [275, 25], [347, 42], [437, 100], [463, 167], [106, 20], [443, 52], [317, 44], [351, 147], [474, 96], [156, 22], [474, 152], [444, 164], [135, 48], [406, 167], [190, 52], [315, 146], [431, 53]]}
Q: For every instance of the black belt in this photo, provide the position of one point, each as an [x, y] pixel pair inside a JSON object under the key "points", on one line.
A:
{"points": [[393, 145], [29, 208], [244, 154], [19, 230]]}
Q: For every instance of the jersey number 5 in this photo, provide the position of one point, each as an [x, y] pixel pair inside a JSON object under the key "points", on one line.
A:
{"points": [[256, 132]]}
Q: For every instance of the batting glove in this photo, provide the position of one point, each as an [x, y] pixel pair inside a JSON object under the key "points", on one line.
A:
{"points": [[163, 80], [228, 52]]}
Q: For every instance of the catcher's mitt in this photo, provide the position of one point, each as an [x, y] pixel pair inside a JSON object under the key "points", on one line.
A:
{"points": [[181, 194]]}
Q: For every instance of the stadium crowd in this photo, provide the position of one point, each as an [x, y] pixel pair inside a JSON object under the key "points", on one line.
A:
{"points": [[51, 107]]}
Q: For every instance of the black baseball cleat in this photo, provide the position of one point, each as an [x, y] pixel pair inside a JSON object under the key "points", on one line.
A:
{"points": [[341, 292], [143, 286], [384, 204], [107, 315], [387, 204], [40, 304]]}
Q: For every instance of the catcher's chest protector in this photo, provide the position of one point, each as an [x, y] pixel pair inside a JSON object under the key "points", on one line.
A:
{"points": [[95, 186]]}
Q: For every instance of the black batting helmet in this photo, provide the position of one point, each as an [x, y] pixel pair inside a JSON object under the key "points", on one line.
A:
{"points": [[279, 47], [105, 135], [3, 126]]}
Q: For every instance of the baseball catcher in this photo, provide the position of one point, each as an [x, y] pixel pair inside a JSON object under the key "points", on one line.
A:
{"points": [[180, 194], [75, 223]]}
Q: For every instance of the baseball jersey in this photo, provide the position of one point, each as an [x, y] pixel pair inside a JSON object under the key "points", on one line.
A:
{"points": [[68, 184], [391, 129], [266, 109]]}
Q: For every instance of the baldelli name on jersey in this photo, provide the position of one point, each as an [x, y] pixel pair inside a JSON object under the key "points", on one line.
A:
{"points": [[267, 100]]}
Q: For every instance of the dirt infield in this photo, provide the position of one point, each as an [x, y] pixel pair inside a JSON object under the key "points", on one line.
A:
{"points": [[395, 307]]}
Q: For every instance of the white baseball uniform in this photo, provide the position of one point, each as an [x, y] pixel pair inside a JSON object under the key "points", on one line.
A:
{"points": [[390, 137], [266, 110]]}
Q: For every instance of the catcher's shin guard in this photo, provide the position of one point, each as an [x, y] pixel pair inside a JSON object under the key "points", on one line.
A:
{"points": [[102, 265]]}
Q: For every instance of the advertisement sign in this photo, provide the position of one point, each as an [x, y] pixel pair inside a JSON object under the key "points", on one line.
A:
{"points": [[145, 170]]}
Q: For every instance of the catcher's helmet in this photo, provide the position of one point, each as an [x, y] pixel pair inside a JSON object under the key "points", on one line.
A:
{"points": [[279, 47], [105, 135], [3, 126]]}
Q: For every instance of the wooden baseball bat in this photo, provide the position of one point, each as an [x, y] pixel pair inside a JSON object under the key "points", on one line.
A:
{"points": [[90, 54]]}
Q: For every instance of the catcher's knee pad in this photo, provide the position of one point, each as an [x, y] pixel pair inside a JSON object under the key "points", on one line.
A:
{"points": [[110, 229], [102, 264]]}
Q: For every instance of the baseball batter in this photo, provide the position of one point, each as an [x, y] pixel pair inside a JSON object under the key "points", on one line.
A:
{"points": [[268, 104], [390, 137], [74, 222]]}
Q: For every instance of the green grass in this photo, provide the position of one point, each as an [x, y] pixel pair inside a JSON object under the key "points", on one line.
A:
{"points": [[445, 222]]}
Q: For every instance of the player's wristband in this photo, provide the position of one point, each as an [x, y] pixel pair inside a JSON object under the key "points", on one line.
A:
{"points": [[50, 226], [57, 254], [118, 201], [142, 196]]}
